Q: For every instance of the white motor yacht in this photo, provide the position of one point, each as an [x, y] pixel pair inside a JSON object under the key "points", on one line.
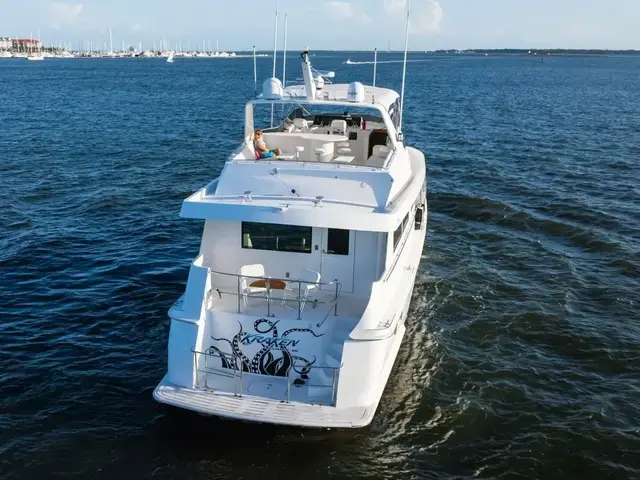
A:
{"points": [[295, 308]]}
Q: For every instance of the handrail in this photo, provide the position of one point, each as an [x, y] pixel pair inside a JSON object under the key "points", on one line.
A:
{"points": [[207, 371], [232, 359], [301, 299], [334, 305], [332, 282]]}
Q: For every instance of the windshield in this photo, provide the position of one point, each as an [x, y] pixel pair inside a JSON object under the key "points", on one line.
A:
{"points": [[268, 116], [323, 115]]}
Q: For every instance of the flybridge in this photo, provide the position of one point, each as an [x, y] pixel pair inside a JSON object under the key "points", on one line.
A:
{"points": [[318, 88]]}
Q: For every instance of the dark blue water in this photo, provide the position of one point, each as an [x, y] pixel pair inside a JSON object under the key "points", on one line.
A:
{"points": [[522, 356]]}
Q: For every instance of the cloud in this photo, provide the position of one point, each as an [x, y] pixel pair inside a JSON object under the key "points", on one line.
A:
{"points": [[394, 5], [346, 11], [427, 19], [64, 13]]}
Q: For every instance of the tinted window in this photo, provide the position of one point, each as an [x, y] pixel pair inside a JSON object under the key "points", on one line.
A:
{"points": [[280, 238], [397, 235], [338, 242]]}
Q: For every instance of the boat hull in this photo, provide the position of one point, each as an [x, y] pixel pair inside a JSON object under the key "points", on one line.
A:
{"points": [[256, 409]]}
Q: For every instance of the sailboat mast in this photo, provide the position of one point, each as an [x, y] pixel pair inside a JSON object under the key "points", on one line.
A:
{"points": [[375, 67], [255, 73]]}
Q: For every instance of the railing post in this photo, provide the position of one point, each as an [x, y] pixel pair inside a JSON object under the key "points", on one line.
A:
{"points": [[206, 372], [195, 366], [333, 386], [299, 299], [335, 307], [268, 283], [239, 298]]}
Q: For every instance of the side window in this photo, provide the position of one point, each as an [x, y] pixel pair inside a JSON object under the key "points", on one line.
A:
{"points": [[397, 235], [338, 242], [279, 238]]}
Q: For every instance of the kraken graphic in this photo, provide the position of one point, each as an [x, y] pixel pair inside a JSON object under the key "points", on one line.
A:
{"points": [[274, 358]]}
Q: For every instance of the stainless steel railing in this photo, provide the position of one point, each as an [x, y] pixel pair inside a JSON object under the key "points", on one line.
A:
{"points": [[292, 286], [234, 371]]}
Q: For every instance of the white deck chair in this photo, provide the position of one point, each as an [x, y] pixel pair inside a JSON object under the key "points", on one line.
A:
{"points": [[339, 127], [300, 125], [309, 284], [246, 290]]}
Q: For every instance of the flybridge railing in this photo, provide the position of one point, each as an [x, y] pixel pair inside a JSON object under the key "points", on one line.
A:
{"points": [[256, 292], [230, 366]]}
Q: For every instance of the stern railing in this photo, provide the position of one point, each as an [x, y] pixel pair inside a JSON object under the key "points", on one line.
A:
{"points": [[234, 371]]}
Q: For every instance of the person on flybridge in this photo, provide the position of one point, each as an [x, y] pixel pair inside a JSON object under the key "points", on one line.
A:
{"points": [[261, 147]]}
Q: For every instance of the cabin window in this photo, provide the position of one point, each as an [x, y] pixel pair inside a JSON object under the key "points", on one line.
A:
{"points": [[279, 238], [418, 218], [397, 235], [338, 241]]}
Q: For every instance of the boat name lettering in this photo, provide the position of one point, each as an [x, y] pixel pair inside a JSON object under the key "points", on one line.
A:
{"points": [[251, 338]]}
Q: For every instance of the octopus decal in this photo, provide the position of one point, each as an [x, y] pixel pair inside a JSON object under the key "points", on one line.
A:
{"points": [[276, 357]]}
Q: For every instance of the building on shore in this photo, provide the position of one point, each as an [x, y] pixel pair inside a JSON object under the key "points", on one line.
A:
{"points": [[5, 43], [26, 45]]}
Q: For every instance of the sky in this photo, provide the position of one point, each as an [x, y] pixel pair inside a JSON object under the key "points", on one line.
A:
{"points": [[329, 24]]}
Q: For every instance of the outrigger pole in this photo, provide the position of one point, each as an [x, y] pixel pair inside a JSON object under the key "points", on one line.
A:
{"points": [[404, 68]]}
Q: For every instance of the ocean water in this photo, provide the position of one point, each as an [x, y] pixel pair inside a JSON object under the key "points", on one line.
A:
{"points": [[522, 355]]}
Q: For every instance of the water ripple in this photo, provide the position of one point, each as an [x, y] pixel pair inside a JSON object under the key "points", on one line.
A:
{"points": [[521, 353]]}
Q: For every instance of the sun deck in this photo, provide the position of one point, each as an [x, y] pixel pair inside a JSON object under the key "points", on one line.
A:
{"points": [[317, 144]]}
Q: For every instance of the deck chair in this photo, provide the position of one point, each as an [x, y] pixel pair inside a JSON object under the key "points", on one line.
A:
{"points": [[309, 285], [246, 290]]}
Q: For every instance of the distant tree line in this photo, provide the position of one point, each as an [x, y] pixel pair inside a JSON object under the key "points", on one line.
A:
{"points": [[552, 51]]}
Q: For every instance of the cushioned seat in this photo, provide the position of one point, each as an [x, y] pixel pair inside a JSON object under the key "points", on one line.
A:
{"points": [[380, 153], [300, 125], [339, 127]]}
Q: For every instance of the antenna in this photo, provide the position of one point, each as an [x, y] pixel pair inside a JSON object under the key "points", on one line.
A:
{"points": [[275, 41], [375, 65], [284, 60], [404, 67], [275, 52], [255, 73]]}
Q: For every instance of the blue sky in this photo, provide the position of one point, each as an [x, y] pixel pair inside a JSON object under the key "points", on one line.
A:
{"points": [[332, 24]]}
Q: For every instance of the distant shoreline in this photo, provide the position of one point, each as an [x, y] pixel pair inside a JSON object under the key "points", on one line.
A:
{"points": [[503, 51]]}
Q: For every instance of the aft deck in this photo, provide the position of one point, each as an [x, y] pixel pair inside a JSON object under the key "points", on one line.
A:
{"points": [[324, 307]]}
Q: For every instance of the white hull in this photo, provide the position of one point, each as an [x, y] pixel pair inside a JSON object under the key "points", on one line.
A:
{"points": [[250, 408], [295, 308], [331, 402]]}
